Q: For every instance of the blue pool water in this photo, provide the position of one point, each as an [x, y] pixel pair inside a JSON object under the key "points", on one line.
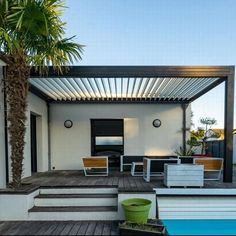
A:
{"points": [[200, 227]]}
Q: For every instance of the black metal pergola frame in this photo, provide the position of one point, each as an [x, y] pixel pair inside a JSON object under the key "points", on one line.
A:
{"points": [[223, 73]]}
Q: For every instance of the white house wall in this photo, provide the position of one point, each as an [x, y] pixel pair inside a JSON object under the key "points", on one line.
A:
{"points": [[2, 137], [38, 107], [68, 146]]}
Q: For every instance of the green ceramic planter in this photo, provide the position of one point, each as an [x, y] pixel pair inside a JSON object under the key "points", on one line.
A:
{"points": [[136, 209]]}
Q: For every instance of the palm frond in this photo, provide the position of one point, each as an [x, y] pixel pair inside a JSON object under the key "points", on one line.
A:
{"points": [[38, 29], [57, 53], [8, 44]]}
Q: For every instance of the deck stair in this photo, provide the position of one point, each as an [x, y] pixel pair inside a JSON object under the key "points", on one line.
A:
{"points": [[75, 204]]}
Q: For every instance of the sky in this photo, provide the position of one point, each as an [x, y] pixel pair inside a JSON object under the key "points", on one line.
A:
{"points": [[158, 32]]}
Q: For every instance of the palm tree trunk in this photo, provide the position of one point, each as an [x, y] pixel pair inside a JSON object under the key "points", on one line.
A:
{"points": [[16, 85]]}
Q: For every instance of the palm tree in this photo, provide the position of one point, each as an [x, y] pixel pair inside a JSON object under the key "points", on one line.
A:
{"points": [[31, 34]]}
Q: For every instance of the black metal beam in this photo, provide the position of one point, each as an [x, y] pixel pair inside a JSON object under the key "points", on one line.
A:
{"points": [[136, 71], [228, 128], [49, 136]]}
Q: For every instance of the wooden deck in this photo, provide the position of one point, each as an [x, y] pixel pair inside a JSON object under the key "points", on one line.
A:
{"points": [[123, 181], [59, 228]]}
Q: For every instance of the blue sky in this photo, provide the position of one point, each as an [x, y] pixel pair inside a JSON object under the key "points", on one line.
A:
{"points": [[158, 32]]}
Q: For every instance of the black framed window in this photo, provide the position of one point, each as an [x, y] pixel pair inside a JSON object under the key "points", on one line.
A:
{"points": [[107, 136]]}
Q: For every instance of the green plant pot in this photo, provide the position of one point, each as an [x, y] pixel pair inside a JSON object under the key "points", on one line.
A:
{"points": [[136, 209]]}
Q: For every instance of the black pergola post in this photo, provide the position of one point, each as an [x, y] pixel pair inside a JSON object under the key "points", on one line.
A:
{"points": [[228, 127], [184, 107]]}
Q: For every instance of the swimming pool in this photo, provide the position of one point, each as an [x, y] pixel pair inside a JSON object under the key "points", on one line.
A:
{"points": [[200, 227]]}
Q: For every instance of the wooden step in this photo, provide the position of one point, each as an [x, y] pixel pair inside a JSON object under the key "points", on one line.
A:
{"points": [[78, 190], [77, 196], [65, 215], [74, 209], [64, 200], [73, 213]]}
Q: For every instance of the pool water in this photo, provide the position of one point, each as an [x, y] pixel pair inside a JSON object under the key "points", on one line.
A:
{"points": [[200, 227]]}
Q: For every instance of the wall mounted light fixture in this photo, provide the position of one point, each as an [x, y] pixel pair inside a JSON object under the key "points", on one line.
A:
{"points": [[68, 124], [156, 123]]}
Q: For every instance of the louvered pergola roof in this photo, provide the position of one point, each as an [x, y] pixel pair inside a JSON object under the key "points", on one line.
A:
{"points": [[136, 84]]}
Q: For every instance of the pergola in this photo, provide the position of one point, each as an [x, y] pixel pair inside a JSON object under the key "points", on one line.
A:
{"points": [[141, 84]]}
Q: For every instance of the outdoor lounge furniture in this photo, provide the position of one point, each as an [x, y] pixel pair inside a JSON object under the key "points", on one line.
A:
{"points": [[95, 165], [211, 164], [134, 172], [154, 165], [126, 161], [183, 175]]}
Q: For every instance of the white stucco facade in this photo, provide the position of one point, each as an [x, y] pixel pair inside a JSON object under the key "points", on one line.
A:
{"points": [[68, 146], [38, 107]]}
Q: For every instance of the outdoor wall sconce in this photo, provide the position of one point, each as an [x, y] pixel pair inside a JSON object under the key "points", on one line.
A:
{"points": [[68, 124], [156, 123]]}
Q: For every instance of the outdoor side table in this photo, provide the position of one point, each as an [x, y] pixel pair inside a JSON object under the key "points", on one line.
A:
{"points": [[136, 173], [183, 175], [154, 166]]}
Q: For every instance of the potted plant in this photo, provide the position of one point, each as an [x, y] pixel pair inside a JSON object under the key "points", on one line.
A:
{"points": [[131, 228], [136, 209]]}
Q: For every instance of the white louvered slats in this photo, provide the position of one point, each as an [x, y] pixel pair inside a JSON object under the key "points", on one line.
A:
{"points": [[123, 88]]}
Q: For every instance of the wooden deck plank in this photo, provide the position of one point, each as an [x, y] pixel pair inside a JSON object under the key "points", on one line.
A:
{"points": [[52, 227], [115, 181], [83, 228], [12, 228], [25, 228], [67, 228], [114, 228], [91, 228], [132, 183], [35, 227], [110, 180], [90, 180], [42, 226], [138, 183], [100, 181], [121, 182], [126, 183], [5, 226], [75, 228], [1, 224], [106, 228], [99, 228], [59, 228]]}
